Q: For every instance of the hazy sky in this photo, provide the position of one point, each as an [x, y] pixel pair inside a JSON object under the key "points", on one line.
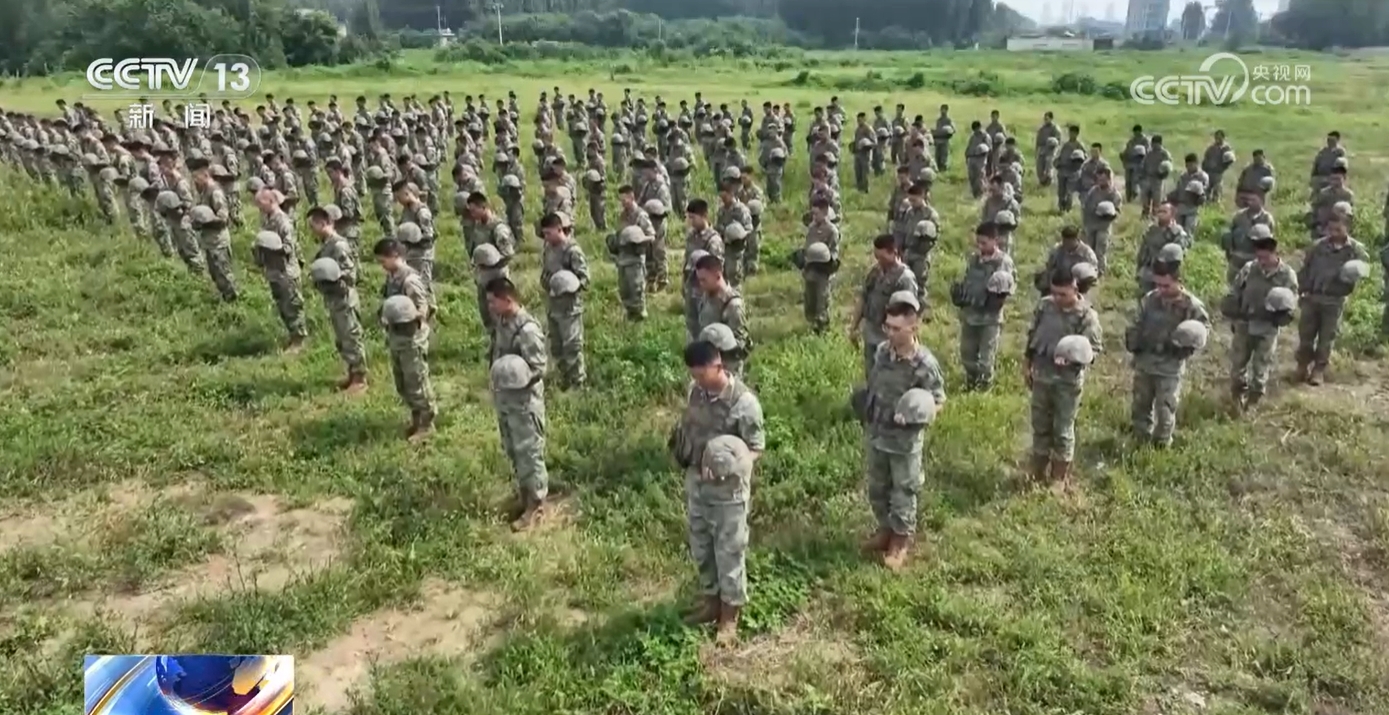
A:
{"points": [[1099, 8]]}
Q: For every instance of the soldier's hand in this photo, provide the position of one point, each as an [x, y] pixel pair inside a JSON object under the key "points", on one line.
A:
{"points": [[899, 420]]}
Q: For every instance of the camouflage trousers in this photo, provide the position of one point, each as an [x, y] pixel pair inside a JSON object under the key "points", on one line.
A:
{"points": [[1066, 187], [425, 267], [861, 173], [137, 215], [284, 289], [691, 294], [1155, 400], [1150, 195], [942, 155], [159, 230], [308, 179], [1046, 173], [483, 314], [1133, 176], [186, 244], [680, 197], [1097, 238], [219, 265], [598, 210], [347, 333], [410, 370], [1251, 358], [1318, 324], [106, 200], [1214, 190], [921, 268], [1054, 407], [718, 535], [516, 220], [384, 217], [773, 186], [566, 336], [1187, 218], [752, 258], [894, 482], [975, 169], [978, 350], [523, 440], [879, 159], [631, 289], [233, 194], [816, 301], [734, 258], [656, 276]]}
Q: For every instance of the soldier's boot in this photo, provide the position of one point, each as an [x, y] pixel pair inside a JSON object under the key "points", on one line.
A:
{"points": [[424, 426], [1039, 466], [1317, 376], [1238, 402], [356, 383], [1303, 370], [414, 425], [708, 611], [295, 344], [897, 547], [877, 543], [531, 517], [1060, 475], [726, 632]]}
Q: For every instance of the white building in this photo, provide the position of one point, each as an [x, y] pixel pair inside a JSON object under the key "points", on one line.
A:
{"points": [[1147, 17], [1040, 43]]}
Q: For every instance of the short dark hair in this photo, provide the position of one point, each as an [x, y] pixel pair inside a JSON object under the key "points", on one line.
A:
{"points": [[318, 212], [502, 288], [898, 310], [387, 247], [709, 263], [401, 184], [1190, 158], [626, 189], [1339, 170], [1070, 232], [702, 353], [698, 207], [1096, 145], [477, 198], [820, 202], [1161, 268], [885, 241], [1061, 277], [1265, 244], [987, 228], [550, 220]]}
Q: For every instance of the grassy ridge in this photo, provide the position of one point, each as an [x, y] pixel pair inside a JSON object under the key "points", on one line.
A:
{"points": [[1248, 565]]}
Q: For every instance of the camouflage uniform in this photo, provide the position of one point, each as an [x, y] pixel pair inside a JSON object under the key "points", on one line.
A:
{"points": [[727, 307], [521, 413], [709, 241], [1254, 340], [1324, 297], [1056, 389], [981, 320], [877, 288], [215, 244], [281, 272], [494, 232], [344, 308], [1154, 239], [1095, 229], [1157, 364], [564, 315], [1236, 243], [420, 256], [893, 452]]}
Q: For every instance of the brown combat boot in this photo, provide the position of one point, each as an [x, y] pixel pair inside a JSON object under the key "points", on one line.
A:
{"points": [[707, 612], [1237, 399], [356, 384], [726, 632], [1304, 371], [877, 543], [343, 383], [295, 344], [531, 517], [1039, 466], [896, 557], [1317, 376], [414, 425], [1060, 475], [424, 426]]}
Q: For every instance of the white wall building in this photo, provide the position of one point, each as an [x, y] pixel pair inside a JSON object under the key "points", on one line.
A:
{"points": [[1147, 17]]}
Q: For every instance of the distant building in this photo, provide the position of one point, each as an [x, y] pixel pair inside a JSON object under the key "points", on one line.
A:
{"points": [[1109, 15], [1147, 18], [1045, 43]]}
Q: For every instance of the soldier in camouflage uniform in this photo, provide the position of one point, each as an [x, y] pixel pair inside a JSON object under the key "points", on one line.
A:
{"points": [[521, 415], [419, 250], [176, 217], [721, 303], [564, 276], [980, 295], [751, 196], [818, 265], [1253, 325], [1162, 232], [379, 185], [1063, 258], [1236, 242], [1055, 378], [1156, 167], [1160, 354], [481, 225], [1324, 291], [720, 410], [893, 446], [1326, 200], [916, 232], [888, 276], [1099, 209], [277, 263], [629, 248], [334, 274], [701, 240], [1068, 163], [408, 343], [1135, 150], [345, 197], [211, 225]]}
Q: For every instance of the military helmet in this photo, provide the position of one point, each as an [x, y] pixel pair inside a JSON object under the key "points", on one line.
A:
{"points": [[720, 335], [201, 215], [727, 457], [1171, 253], [538, 145], [1354, 271], [1280, 300], [195, 154], [818, 253], [502, 157], [1077, 155], [1075, 349], [592, 176], [654, 207], [1006, 218], [1228, 157], [220, 172], [693, 259], [777, 153], [632, 235], [109, 174], [325, 270], [1106, 209], [1190, 334], [618, 138], [929, 175], [883, 133], [1164, 168], [1053, 142], [865, 144], [680, 164], [90, 159], [255, 185], [510, 372], [564, 283], [755, 207], [325, 138], [1000, 137], [138, 184], [1140, 150], [1195, 187], [334, 213], [925, 228], [1343, 208], [948, 130], [460, 202], [511, 181], [409, 233], [299, 156], [731, 172], [1267, 183], [1341, 163], [1260, 231], [981, 149], [1085, 271], [734, 232], [269, 241], [375, 174], [486, 256], [917, 407], [398, 310], [167, 201], [1001, 283], [904, 297]]}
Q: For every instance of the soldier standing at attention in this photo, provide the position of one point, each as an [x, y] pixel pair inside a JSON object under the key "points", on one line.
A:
{"points": [[1064, 338], [521, 414]]}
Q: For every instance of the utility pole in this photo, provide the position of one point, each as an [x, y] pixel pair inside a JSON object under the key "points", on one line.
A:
{"points": [[498, 7], [856, 33]]}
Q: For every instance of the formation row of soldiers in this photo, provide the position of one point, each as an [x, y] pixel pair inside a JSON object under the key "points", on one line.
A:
{"points": [[181, 186]]}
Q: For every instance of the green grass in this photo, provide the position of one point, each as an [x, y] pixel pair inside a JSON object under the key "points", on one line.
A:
{"points": [[1249, 565]]}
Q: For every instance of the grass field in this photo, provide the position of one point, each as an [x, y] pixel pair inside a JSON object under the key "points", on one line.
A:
{"points": [[170, 482]]}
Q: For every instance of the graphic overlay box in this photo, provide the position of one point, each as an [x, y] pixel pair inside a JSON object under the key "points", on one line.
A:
{"points": [[188, 684]]}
